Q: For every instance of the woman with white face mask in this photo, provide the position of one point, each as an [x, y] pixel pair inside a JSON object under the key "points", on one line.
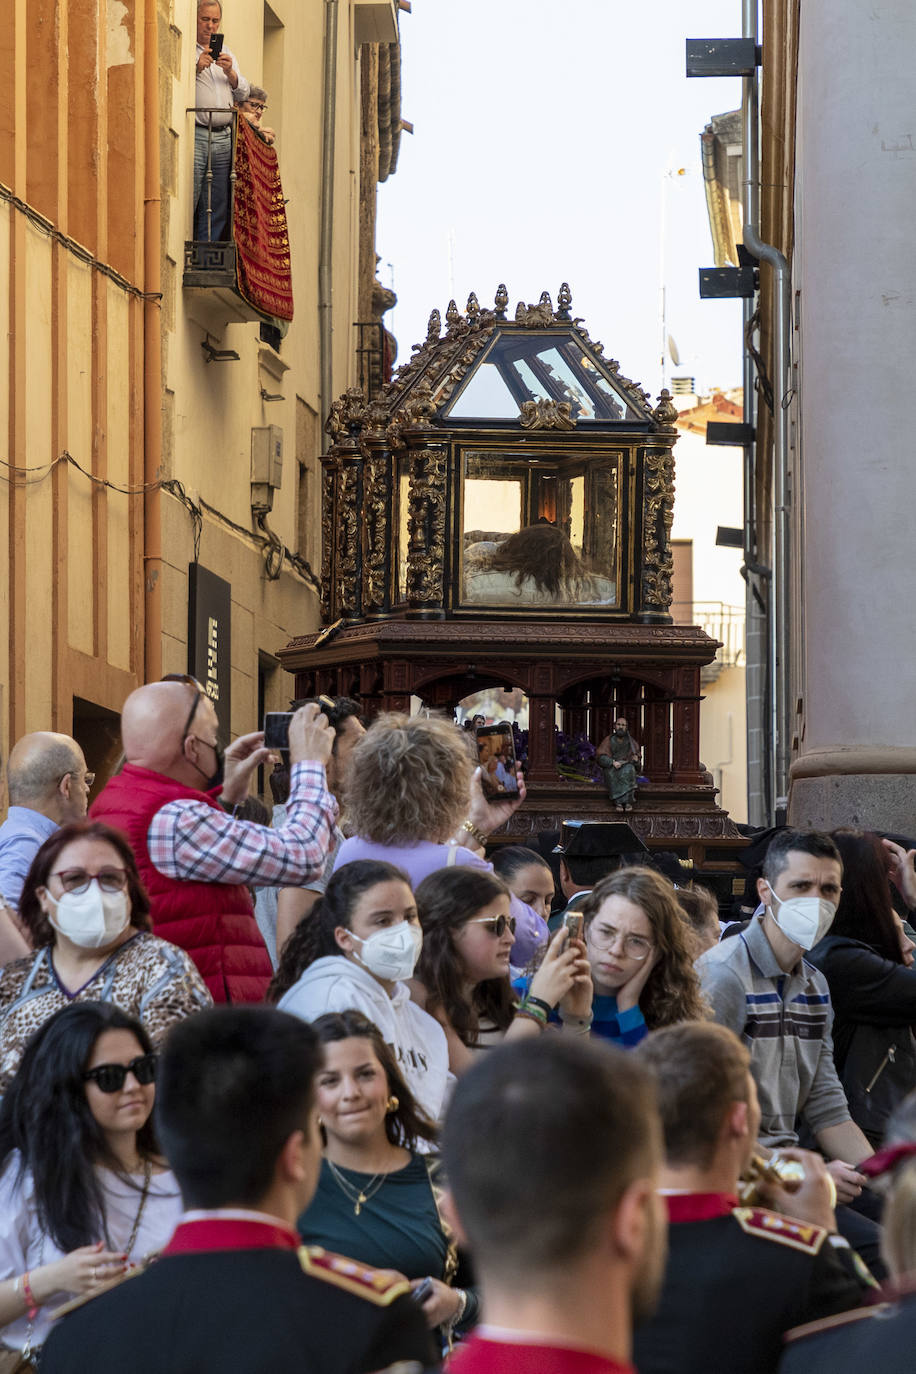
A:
{"points": [[87, 917], [355, 952]]}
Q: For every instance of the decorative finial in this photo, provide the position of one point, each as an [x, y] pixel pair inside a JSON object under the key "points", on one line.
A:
{"points": [[564, 301], [666, 411], [521, 313], [544, 299], [501, 301], [452, 314], [472, 309], [433, 327]]}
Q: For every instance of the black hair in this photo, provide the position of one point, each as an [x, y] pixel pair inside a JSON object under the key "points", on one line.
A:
{"points": [[46, 1117], [508, 859], [865, 911], [313, 937], [338, 713], [407, 1123], [813, 842], [234, 1084], [541, 1140], [587, 870]]}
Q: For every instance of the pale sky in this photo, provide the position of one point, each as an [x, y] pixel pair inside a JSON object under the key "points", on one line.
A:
{"points": [[544, 136]]}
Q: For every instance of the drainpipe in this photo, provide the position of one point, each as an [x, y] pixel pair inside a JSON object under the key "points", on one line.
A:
{"points": [[779, 597], [151, 667], [326, 243]]}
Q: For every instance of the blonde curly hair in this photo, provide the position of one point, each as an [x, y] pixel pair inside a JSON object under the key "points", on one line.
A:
{"points": [[410, 780]]}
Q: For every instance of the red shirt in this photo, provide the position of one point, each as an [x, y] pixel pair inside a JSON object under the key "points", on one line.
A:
{"points": [[479, 1355]]}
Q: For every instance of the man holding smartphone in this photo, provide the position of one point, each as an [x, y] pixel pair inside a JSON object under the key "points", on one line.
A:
{"points": [[219, 85]]}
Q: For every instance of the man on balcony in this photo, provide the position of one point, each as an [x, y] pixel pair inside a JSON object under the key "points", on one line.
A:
{"points": [[219, 83]]}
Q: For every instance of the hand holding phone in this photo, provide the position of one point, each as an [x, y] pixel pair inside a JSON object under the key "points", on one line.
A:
{"points": [[498, 764]]}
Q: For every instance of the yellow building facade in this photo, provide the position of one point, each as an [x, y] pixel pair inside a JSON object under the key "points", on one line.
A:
{"points": [[137, 409]]}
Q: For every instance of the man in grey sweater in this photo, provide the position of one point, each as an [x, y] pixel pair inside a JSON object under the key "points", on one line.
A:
{"points": [[760, 986]]}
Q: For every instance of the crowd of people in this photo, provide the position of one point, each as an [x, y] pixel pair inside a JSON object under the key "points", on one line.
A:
{"points": [[446, 1107]]}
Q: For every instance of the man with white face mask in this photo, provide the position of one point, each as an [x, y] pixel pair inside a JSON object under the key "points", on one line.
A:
{"points": [[760, 985]]}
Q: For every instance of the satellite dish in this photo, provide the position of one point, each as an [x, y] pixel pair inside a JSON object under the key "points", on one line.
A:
{"points": [[673, 350]]}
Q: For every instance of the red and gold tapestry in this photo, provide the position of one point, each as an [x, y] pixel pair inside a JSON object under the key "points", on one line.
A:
{"points": [[259, 226]]}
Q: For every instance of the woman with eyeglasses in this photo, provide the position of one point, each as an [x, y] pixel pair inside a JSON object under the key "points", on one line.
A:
{"points": [[87, 915], [463, 977], [355, 951], [378, 1198], [637, 940], [84, 1192]]}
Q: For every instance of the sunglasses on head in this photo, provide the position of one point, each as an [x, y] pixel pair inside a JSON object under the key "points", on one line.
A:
{"points": [[496, 925], [189, 680], [110, 1078]]}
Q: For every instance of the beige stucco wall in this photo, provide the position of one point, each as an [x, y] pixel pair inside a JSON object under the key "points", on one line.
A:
{"points": [[708, 493], [211, 408]]}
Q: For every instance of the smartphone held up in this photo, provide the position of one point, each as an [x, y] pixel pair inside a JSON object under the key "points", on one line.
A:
{"points": [[498, 764]]}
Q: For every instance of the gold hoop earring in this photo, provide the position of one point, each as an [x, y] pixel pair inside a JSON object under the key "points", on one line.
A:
{"points": [[393, 1104]]}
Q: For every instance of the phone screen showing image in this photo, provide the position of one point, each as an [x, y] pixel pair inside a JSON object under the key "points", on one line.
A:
{"points": [[498, 765]]}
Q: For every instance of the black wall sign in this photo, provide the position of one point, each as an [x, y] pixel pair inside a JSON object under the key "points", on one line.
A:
{"points": [[210, 639]]}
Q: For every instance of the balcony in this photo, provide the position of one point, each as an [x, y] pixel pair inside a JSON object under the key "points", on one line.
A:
{"points": [[214, 268]]}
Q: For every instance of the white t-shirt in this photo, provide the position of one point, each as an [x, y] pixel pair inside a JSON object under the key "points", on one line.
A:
{"points": [[23, 1244]]}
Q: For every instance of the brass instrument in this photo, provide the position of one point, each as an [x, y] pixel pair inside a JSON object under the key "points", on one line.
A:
{"points": [[784, 1173]]}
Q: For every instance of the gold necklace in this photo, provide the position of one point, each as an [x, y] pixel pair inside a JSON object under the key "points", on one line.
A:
{"points": [[144, 1194], [358, 1196]]}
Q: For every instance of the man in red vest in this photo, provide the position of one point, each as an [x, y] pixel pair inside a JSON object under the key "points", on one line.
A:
{"points": [[196, 861]]}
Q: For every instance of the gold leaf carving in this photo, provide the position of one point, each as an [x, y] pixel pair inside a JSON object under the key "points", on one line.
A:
{"points": [[546, 414]]}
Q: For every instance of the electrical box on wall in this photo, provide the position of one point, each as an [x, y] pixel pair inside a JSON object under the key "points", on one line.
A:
{"points": [[266, 465]]}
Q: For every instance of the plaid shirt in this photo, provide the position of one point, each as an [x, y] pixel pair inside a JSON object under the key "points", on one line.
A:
{"points": [[194, 842]]}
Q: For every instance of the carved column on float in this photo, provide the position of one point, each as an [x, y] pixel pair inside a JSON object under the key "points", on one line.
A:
{"points": [[344, 424], [542, 735], [426, 509], [657, 742], [658, 516], [686, 752], [378, 484]]}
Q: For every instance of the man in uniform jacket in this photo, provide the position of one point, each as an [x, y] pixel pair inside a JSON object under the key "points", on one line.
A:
{"points": [[233, 1290], [737, 1277]]}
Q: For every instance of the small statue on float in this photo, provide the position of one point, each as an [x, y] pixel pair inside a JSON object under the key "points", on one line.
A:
{"points": [[618, 755]]}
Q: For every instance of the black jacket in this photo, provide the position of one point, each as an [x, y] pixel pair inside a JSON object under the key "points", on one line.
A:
{"points": [[244, 1311], [874, 1007]]}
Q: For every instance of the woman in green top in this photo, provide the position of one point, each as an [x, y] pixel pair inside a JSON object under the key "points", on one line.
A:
{"points": [[378, 1198]]}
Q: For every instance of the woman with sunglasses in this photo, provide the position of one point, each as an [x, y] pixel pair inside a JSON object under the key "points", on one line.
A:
{"points": [[87, 915], [637, 938], [84, 1191], [355, 951], [463, 976], [378, 1198]]}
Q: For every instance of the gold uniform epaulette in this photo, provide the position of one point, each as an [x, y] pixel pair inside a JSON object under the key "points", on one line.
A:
{"points": [[380, 1286], [798, 1235]]}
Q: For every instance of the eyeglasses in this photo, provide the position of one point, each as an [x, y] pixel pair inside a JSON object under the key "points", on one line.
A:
{"points": [[87, 778], [77, 880], [634, 946], [496, 925], [256, 105], [110, 1078], [189, 681]]}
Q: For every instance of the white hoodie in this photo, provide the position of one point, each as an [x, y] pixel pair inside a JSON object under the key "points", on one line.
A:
{"points": [[335, 983]]}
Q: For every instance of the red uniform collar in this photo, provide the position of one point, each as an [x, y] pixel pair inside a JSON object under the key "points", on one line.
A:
{"points": [[232, 1232], [482, 1354], [699, 1206]]}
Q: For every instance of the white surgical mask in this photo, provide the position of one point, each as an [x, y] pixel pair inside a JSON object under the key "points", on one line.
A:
{"points": [[803, 920], [392, 953], [90, 919]]}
